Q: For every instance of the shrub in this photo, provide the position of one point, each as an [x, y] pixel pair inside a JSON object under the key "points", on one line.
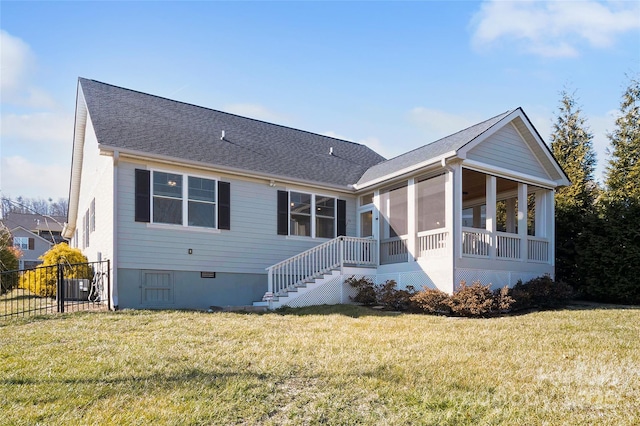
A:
{"points": [[475, 300], [366, 291], [541, 292], [391, 298], [431, 301], [503, 300], [43, 280]]}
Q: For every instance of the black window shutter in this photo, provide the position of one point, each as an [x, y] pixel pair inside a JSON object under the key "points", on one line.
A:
{"points": [[32, 243], [283, 213], [143, 196], [342, 218], [224, 205]]}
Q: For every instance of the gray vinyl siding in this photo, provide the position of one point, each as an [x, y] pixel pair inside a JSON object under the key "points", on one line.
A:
{"points": [[250, 246], [508, 150], [40, 246]]}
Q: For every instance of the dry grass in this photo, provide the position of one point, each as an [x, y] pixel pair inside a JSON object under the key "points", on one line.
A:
{"points": [[24, 301], [333, 365]]}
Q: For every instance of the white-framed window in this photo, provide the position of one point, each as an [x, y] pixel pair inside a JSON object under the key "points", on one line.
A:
{"points": [[21, 242], [306, 210], [167, 198], [173, 201]]}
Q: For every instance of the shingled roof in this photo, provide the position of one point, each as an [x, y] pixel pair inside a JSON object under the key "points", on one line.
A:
{"points": [[132, 121], [451, 143]]}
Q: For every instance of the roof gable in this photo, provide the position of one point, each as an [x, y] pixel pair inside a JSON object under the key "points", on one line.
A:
{"points": [[507, 149], [429, 153], [507, 136], [149, 125]]}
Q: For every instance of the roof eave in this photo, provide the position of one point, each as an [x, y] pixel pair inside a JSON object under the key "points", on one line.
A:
{"points": [[349, 188], [406, 171], [76, 163]]}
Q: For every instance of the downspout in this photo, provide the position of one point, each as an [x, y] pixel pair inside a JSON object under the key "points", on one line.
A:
{"points": [[114, 256]]}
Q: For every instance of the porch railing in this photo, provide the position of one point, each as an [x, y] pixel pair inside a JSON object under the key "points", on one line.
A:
{"points": [[475, 242], [538, 249], [319, 260], [394, 250], [432, 243], [508, 246]]}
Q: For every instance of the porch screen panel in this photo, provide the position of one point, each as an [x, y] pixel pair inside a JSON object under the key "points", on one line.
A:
{"points": [[395, 211], [430, 203]]}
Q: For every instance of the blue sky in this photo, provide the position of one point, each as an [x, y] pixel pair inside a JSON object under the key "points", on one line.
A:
{"points": [[392, 75]]}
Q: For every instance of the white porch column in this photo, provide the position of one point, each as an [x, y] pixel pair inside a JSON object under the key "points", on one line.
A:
{"points": [[454, 197], [551, 226], [411, 220], [491, 214], [522, 220]]}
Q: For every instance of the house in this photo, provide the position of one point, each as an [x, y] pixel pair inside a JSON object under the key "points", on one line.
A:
{"points": [[196, 207], [34, 234]]}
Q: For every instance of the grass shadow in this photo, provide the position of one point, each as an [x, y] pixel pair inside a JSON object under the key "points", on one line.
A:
{"points": [[352, 311]]}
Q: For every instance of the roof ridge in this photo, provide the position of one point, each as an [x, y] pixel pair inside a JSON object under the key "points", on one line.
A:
{"points": [[453, 134], [224, 112]]}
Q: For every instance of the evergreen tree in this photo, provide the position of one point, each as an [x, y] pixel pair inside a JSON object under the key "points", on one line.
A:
{"points": [[572, 146], [615, 252], [623, 171]]}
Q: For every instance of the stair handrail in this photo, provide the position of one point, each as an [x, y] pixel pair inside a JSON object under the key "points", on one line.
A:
{"points": [[309, 264]]}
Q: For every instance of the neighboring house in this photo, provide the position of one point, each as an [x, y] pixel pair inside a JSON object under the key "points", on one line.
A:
{"points": [[196, 207], [34, 234]]}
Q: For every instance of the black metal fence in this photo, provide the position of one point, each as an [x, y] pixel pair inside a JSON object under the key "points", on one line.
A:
{"points": [[52, 289]]}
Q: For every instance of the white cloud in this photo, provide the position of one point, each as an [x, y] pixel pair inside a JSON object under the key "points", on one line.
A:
{"points": [[437, 124], [21, 177], [16, 61], [41, 126], [553, 28], [256, 111]]}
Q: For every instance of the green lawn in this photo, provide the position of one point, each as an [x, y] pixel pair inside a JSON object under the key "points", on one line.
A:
{"points": [[331, 365]]}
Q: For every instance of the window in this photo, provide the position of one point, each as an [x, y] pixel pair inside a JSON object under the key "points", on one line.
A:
{"points": [[202, 202], [325, 217], [92, 216], [310, 215], [21, 242], [300, 214], [176, 199], [167, 198], [366, 199], [85, 222]]}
